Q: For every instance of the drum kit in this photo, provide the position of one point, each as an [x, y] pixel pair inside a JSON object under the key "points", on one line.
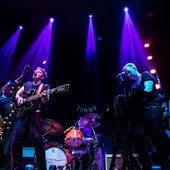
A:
{"points": [[76, 143]]}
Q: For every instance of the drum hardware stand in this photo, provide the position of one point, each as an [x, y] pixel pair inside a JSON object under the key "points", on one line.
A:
{"points": [[95, 137], [78, 158], [87, 147], [73, 165], [43, 136], [95, 165]]}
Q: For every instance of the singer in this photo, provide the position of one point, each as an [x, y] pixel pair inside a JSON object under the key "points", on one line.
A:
{"points": [[147, 114], [32, 119]]}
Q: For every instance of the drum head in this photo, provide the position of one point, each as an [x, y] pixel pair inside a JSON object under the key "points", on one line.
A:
{"points": [[56, 155], [74, 137]]}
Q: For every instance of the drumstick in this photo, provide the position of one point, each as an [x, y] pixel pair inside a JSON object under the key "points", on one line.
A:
{"points": [[68, 129]]}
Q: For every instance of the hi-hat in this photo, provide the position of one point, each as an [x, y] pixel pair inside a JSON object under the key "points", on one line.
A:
{"points": [[88, 121], [52, 127]]}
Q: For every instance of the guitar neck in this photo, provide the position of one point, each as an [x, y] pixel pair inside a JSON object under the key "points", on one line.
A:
{"points": [[58, 89], [34, 97]]}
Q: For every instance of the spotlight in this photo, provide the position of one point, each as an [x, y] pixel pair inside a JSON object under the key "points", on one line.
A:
{"points": [[44, 62], [90, 16], [125, 9], [157, 86], [21, 27], [146, 45], [153, 71], [51, 19], [149, 57]]}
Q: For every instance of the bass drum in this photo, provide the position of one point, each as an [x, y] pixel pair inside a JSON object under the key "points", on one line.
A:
{"points": [[57, 156]]}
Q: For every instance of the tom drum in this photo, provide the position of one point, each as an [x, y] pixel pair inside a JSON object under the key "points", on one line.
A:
{"points": [[74, 137]]}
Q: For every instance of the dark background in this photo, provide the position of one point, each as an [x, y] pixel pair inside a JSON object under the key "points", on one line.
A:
{"points": [[151, 18]]}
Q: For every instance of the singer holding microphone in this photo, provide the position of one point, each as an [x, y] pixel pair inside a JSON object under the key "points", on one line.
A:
{"points": [[30, 119], [145, 105]]}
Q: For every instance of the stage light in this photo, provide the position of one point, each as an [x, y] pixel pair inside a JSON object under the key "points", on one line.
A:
{"points": [[153, 71], [51, 19], [125, 9], [146, 45], [157, 86], [149, 57], [21, 27], [90, 16], [44, 62]]}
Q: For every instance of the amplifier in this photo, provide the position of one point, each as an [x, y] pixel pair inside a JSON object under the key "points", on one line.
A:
{"points": [[28, 152], [118, 161], [28, 155]]}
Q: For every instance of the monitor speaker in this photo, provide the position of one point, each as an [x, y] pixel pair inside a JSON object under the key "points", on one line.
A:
{"points": [[118, 161]]}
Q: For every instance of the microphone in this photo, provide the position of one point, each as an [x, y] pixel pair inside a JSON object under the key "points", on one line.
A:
{"points": [[120, 74], [99, 118], [30, 69]]}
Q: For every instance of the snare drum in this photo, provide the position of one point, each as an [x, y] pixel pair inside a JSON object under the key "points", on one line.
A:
{"points": [[57, 155], [74, 137]]}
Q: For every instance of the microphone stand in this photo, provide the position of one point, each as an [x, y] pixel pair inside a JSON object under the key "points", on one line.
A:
{"points": [[121, 82], [120, 143], [20, 78]]}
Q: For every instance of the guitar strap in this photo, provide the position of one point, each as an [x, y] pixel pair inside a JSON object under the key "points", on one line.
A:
{"points": [[40, 87]]}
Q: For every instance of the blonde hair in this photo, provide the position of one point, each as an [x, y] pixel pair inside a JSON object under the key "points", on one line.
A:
{"points": [[129, 65]]}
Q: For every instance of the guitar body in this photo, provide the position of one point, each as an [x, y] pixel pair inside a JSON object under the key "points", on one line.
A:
{"points": [[23, 109], [30, 97]]}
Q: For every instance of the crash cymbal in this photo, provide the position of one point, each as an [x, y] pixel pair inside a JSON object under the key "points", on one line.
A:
{"points": [[88, 121], [52, 127]]}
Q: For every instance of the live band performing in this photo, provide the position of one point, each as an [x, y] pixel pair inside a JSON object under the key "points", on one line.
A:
{"points": [[134, 117], [84, 85]]}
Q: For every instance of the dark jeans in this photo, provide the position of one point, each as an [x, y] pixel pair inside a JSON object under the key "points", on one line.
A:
{"points": [[150, 121], [35, 129]]}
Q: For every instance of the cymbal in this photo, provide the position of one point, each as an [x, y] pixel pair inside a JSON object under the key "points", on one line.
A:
{"points": [[52, 127], [88, 121]]}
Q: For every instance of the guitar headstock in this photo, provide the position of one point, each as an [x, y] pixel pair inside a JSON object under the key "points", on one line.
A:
{"points": [[61, 88]]}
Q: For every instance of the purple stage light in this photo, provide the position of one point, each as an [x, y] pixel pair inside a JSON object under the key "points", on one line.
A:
{"points": [[21, 27], [125, 9], [39, 51], [51, 19], [131, 48], [90, 16], [91, 40]]}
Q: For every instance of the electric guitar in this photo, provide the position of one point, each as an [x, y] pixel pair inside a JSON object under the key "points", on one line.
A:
{"points": [[31, 96]]}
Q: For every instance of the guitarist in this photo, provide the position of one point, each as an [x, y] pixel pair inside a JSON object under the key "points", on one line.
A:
{"points": [[32, 120], [146, 106]]}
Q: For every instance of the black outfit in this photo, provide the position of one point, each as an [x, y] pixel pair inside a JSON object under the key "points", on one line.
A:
{"points": [[33, 121], [147, 116]]}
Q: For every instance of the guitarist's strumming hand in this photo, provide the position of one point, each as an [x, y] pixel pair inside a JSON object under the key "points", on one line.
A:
{"points": [[20, 101], [19, 98]]}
